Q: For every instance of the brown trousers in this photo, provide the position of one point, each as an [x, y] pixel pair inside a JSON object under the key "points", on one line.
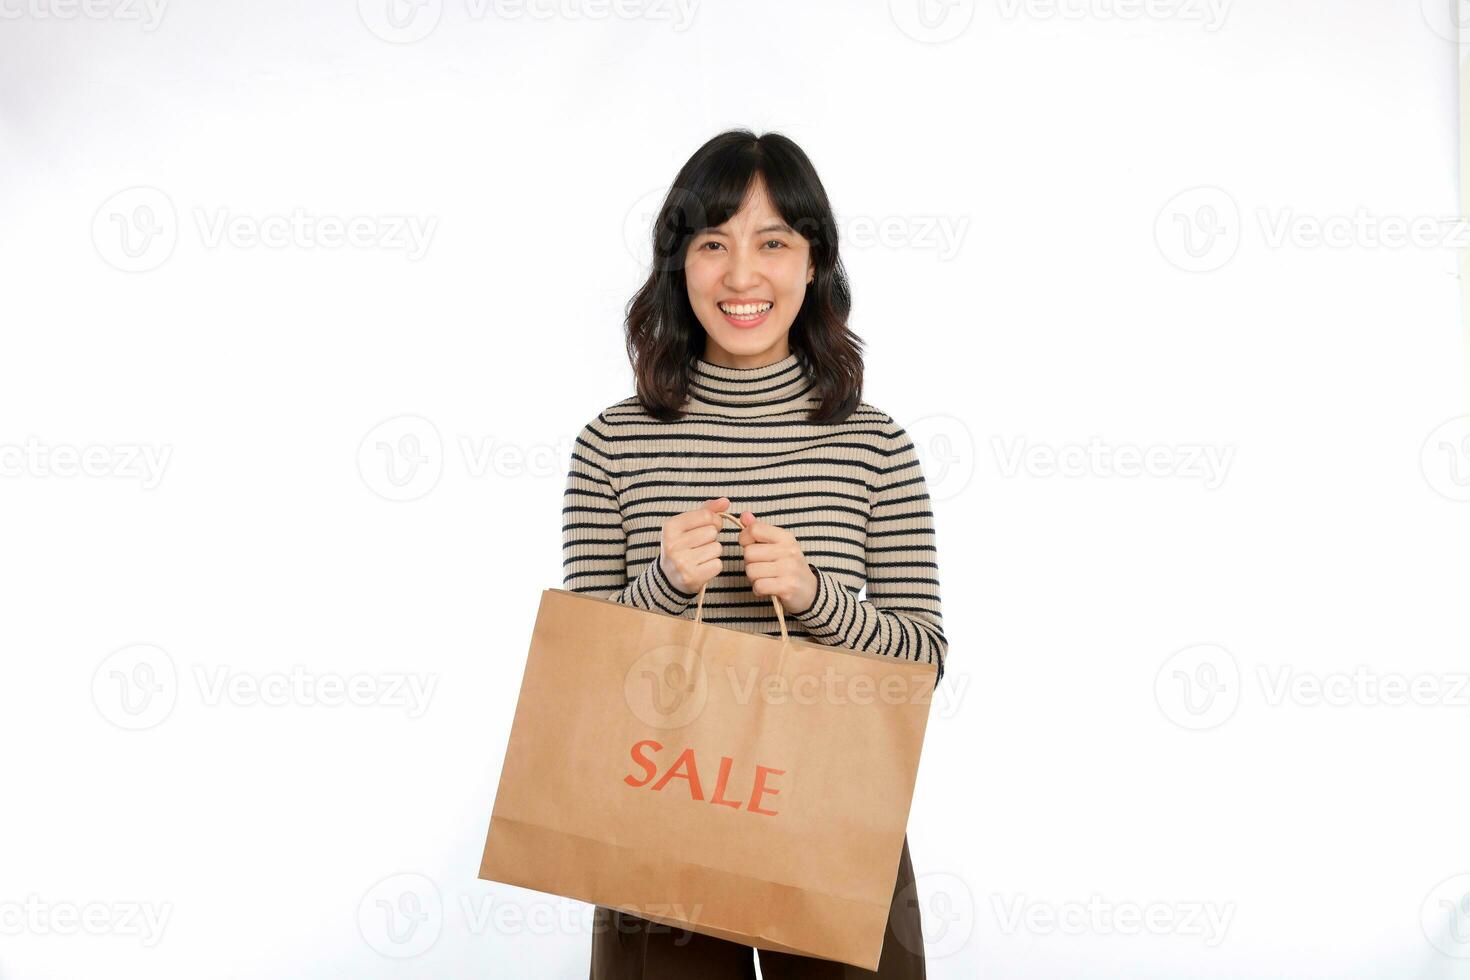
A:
{"points": [[628, 947]]}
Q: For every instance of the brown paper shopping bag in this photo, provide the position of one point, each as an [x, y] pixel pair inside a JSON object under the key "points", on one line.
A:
{"points": [[746, 787]]}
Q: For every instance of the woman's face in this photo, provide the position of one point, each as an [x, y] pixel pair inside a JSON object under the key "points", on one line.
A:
{"points": [[747, 279]]}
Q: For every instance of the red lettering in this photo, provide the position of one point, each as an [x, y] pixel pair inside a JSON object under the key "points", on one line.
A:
{"points": [[725, 763], [643, 761], [760, 788], [685, 766], [686, 762]]}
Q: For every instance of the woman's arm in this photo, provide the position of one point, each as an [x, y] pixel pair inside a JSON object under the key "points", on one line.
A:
{"points": [[901, 615], [595, 545]]}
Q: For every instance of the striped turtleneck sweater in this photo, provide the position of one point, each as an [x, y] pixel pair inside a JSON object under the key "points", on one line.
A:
{"points": [[851, 491]]}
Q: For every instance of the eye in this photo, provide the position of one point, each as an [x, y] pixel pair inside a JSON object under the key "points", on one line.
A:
{"points": [[776, 241], [707, 244]]}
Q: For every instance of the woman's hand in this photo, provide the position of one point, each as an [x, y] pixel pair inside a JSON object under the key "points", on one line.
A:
{"points": [[689, 547], [775, 564]]}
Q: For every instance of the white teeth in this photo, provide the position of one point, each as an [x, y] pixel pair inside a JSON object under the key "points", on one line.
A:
{"points": [[746, 309]]}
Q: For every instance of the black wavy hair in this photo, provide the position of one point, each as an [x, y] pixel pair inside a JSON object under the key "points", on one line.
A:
{"points": [[663, 335]]}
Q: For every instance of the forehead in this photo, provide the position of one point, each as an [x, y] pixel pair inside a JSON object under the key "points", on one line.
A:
{"points": [[756, 210]]}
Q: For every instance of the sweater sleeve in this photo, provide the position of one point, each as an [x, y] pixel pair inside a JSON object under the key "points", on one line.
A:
{"points": [[594, 542], [901, 615]]}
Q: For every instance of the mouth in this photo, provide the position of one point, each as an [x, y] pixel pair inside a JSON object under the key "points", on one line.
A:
{"points": [[747, 314]]}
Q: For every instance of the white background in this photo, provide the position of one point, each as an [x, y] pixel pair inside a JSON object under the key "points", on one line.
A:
{"points": [[1066, 762]]}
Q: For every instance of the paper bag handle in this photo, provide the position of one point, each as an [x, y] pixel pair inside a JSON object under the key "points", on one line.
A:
{"points": [[780, 613]]}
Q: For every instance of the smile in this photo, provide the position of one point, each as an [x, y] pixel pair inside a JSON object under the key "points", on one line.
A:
{"points": [[746, 314]]}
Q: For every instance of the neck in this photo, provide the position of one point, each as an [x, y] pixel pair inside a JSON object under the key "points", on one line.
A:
{"points": [[719, 357], [779, 386]]}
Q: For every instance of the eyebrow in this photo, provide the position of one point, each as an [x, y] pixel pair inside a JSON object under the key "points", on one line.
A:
{"points": [[759, 231]]}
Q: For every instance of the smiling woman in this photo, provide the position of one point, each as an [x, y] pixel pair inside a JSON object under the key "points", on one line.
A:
{"points": [[749, 402]]}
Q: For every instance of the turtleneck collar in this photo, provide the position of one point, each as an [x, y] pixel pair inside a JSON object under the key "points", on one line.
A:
{"points": [[775, 387]]}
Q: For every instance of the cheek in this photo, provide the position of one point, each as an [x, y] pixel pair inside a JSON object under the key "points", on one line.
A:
{"points": [[699, 281]]}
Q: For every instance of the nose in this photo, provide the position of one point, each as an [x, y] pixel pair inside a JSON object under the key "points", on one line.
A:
{"points": [[741, 272]]}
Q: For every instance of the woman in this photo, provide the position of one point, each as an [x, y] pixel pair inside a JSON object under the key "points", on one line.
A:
{"points": [[749, 393]]}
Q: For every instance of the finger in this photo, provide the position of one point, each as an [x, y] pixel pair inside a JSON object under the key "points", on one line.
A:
{"points": [[767, 552], [693, 565], [708, 570], [702, 516], [747, 521], [760, 531], [769, 586], [694, 537], [766, 569], [705, 552]]}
